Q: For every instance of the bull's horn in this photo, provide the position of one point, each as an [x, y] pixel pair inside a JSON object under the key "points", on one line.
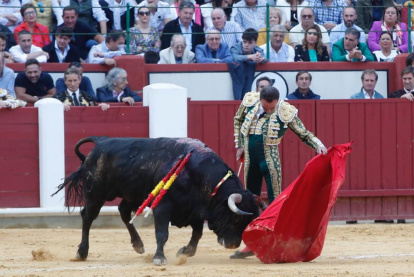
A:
{"points": [[233, 199]]}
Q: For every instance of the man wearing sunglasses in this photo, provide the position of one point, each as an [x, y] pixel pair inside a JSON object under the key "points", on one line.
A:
{"points": [[297, 33]]}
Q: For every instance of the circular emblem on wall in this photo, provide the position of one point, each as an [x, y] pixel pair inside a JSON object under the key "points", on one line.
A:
{"points": [[278, 82]]}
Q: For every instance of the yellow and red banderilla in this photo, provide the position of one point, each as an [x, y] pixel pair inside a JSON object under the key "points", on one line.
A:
{"points": [[161, 188]]}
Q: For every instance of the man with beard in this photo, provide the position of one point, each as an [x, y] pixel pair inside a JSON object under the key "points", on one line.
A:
{"points": [[33, 84], [297, 33], [349, 17], [25, 50], [350, 49]]}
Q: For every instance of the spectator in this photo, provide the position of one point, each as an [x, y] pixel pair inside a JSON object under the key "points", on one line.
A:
{"points": [[328, 13], [6, 77], [151, 57], [369, 11], [410, 60], [250, 14], [113, 46], [8, 101], [40, 33], [116, 13], [312, 48], [60, 51], [8, 58], [276, 17], [350, 49], [25, 50], [33, 84], [292, 10], [207, 10], [391, 25], [303, 81], [174, 11], [263, 82], [84, 36], [279, 50], [10, 13], [213, 51], [9, 35], [47, 10], [297, 33], [247, 50], [73, 96], [184, 24], [143, 36], [386, 54], [369, 80], [231, 32], [116, 88], [407, 76], [177, 53], [85, 84], [89, 12], [160, 13], [349, 17]]}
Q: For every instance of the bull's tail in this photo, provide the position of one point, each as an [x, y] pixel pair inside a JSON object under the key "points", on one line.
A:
{"points": [[74, 181]]}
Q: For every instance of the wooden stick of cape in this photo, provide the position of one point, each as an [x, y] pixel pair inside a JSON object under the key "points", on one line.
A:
{"points": [[157, 189], [168, 184]]}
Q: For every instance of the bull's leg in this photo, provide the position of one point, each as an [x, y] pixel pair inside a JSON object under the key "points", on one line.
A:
{"points": [[89, 213], [161, 222], [125, 211], [191, 248]]}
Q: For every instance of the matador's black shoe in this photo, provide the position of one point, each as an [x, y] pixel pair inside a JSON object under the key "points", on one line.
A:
{"points": [[241, 255]]}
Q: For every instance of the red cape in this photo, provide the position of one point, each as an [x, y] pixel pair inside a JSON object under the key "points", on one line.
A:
{"points": [[293, 227]]}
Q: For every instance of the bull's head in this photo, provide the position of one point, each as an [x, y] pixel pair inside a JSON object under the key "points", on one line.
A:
{"points": [[229, 220]]}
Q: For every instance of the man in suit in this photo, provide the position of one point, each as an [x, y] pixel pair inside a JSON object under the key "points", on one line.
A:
{"points": [[213, 51], [350, 49], [60, 50], [183, 24], [177, 52], [369, 80], [407, 76], [73, 96]]}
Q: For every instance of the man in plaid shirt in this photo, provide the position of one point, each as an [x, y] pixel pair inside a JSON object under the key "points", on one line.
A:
{"points": [[328, 13]]}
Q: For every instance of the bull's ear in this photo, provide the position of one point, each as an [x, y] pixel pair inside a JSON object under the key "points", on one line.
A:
{"points": [[232, 200]]}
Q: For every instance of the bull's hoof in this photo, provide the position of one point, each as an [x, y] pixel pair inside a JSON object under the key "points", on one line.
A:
{"points": [[187, 251], [159, 261], [241, 255], [139, 248], [80, 257]]}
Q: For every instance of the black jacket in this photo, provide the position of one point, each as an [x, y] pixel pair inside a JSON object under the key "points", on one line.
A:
{"points": [[72, 56], [173, 27], [303, 55], [105, 95]]}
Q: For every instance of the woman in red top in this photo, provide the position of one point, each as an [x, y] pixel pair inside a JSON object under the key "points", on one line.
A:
{"points": [[40, 33]]}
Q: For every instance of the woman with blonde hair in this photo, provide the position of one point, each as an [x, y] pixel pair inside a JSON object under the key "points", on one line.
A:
{"points": [[276, 17], [312, 48]]}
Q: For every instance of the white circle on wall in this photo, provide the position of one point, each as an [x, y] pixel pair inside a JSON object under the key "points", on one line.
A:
{"points": [[278, 82]]}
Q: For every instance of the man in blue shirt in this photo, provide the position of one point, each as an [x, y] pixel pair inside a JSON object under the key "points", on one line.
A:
{"points": [[213, 51]]}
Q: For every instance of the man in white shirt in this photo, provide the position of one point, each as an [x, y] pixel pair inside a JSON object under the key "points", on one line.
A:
{"points": [[349, 17], [279, 51], [113, 46], [10, 13], [297, 33], [160, 13], [25, 49]]}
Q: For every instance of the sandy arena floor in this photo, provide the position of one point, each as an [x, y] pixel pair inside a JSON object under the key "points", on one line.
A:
{"points": [[350, 250]]}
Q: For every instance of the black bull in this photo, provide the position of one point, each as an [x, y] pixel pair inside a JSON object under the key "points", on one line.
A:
{"points": [[129, 168]]}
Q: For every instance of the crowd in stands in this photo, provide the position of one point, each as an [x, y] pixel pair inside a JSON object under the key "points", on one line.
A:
{"points": [[195, 31]]}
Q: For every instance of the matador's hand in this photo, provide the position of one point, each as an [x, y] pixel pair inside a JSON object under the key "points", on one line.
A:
{"points": [[239, 153], [321, 149]]}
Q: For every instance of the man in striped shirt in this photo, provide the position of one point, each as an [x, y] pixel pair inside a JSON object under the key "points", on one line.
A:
{"points": [[250, 14], [231, 32]]}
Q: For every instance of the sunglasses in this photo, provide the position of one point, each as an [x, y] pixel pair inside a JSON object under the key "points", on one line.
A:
{"points": [[144, 13], [307, 16]]}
